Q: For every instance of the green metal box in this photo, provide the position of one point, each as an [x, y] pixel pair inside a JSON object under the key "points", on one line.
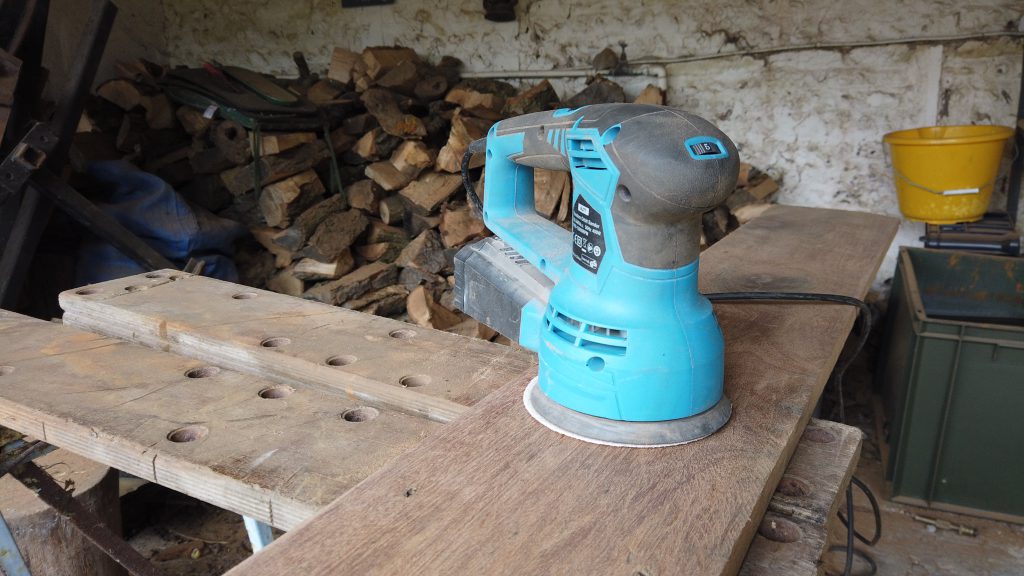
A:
{"points": [[952, 374]]}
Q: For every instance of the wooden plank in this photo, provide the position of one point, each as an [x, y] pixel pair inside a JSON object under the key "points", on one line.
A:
{"points": [[272, 452], [496, 493], [825, 456], [793, 535], [387, 362]]}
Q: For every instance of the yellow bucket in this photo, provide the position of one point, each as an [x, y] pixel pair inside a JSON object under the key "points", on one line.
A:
{"points": [[945, 174]]}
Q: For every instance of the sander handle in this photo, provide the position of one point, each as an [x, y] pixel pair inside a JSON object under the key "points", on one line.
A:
{"points": [[514, 148]]}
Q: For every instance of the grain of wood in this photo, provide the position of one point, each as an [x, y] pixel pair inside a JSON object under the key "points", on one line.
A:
{"points": [[805, 502], [225, 323], [496, 493], [278, 457]]}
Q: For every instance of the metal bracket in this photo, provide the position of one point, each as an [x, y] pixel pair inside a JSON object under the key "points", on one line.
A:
{"points": [[27, 157]]}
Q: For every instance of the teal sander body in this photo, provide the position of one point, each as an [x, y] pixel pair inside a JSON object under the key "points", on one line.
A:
{"points": [[629, 351]]}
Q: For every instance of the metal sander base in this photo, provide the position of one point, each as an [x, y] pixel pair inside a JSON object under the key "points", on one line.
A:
{"points": [[621, 433]]}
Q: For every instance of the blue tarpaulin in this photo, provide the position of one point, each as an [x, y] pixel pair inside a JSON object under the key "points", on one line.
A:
{"points": [[160, 217]]}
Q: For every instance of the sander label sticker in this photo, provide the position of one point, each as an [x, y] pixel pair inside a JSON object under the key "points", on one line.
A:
{"points": [[587, 235]]}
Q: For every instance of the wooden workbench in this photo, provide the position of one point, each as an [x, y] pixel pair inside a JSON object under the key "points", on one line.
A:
{"points": [[280, 446]]}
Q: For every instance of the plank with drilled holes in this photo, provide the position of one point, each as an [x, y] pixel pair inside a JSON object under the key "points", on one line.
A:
{"points": [[495, 493], [793, 535], [378, 360], [70, 396], [274, 452]]}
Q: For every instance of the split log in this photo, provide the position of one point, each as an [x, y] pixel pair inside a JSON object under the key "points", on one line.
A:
{"points": [[365, 195], [275, 168], [384, 107], [460, 226], [413, 277], [282, 201], [403, 78], [425, 195], [342, 64], [277, 142], [193, 121], [374, 145], [761, 187], [391, 210], [159, 112], [124, 94], [285, 282], [425, 312], [472, 329], [335, 235], [383, 251], [377, 231], [359, 124], [651, 95], [547, 190], [465, 129], [600, 90], [747, 213], [295, 236], [414, 223], [412, 157], [387, 176], [310, 269], [431, 88], [424, 252], [209, 161], [380, 60], [232, 139], [539, 97], [323, 92], [480, 104], [387, 301], [563, 203], [267, 236], [354, 284]]}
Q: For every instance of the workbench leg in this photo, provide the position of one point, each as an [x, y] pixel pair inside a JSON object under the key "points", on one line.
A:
{"points": [[10, 557], [259, 533]]}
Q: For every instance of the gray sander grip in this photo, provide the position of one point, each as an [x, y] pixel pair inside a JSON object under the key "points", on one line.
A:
{"points": [[662, 190]]}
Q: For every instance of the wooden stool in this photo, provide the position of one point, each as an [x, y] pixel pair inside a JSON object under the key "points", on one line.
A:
{"points": [[48, 542]]}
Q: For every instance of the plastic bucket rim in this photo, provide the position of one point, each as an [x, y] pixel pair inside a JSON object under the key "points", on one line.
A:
{"points": [[998, 133]]}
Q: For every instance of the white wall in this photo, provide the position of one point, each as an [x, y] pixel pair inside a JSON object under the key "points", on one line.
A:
{"points": [[813, 117], [138, 32]]}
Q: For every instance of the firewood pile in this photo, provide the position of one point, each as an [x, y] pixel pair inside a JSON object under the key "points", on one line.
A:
{"points": [[399, 127]]}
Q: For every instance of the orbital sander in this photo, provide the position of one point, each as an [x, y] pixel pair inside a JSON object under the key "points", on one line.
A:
{"points": [[630, 353]]}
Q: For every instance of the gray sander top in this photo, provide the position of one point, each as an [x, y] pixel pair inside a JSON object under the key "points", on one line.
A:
{"points": [[662, 190]]}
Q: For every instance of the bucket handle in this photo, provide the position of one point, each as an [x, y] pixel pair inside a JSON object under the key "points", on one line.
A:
{"points": [[959, 192]]}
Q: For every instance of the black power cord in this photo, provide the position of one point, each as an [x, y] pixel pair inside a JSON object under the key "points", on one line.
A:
{"points": [[842, 365], [474, 199], [837, 380]]}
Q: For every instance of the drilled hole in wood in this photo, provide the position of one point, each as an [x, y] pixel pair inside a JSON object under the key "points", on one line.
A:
{"points": [[341, 360], [362, 414], [152, 275], [414, 380], [87, 291], [402, 334], [779, 530], [202, 372], [245, 295], [819, 435], [793, 486], [134, 288], [276, 342], [6, 370], [275, 392], [189, 433]]}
